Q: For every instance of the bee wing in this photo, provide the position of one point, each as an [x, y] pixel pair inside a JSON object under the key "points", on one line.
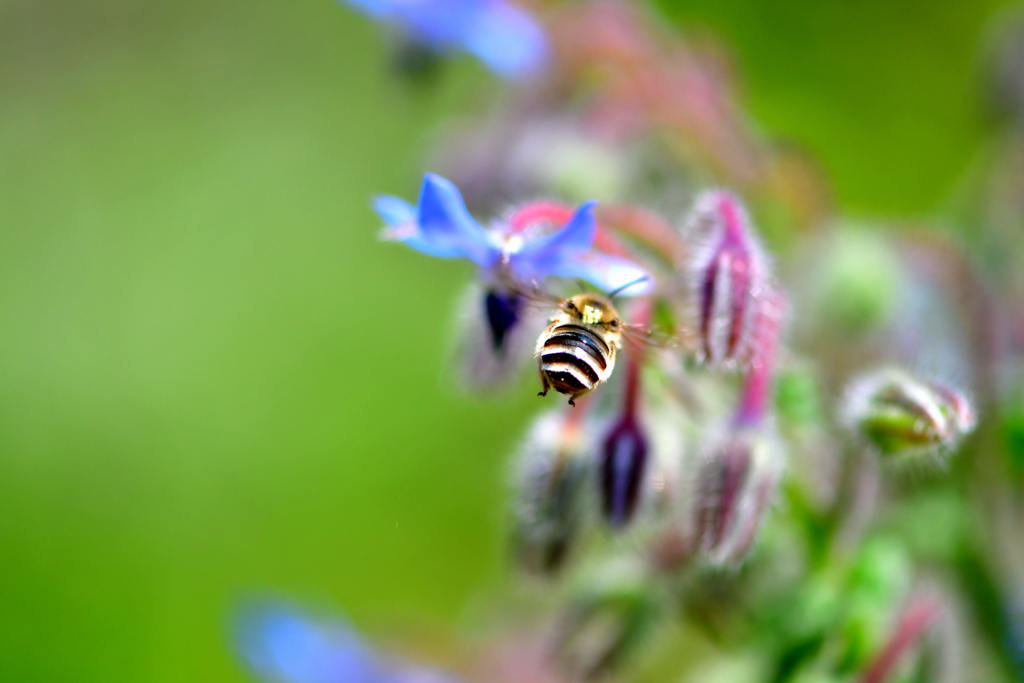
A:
{"points": [[644, 337], [535, 295]]}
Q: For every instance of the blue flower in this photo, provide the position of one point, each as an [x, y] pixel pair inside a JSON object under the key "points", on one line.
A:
{"points": [[281, 645], [441, 226], [495, 334], [505, 38]]}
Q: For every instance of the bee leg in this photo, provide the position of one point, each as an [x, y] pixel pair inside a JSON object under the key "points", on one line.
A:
{"points": [[572, 400], [544, 383]]}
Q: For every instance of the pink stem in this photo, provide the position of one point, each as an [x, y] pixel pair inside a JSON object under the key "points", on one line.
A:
{"points": [[915, 620], [758, 384], [757, 389], [646, 227], [559, 214], [636, 360], [538, 212]]}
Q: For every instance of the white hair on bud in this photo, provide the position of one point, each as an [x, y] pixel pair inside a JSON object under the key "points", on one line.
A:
{"points": [[706, 229], [478, 367], [945, 415], [550, 479]]}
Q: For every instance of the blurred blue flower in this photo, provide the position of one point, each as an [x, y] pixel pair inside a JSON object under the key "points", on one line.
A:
{"points": [[281, 645], [440, 225], [502, 36]]}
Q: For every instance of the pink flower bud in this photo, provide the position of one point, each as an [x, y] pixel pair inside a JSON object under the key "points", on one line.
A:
{"points": [[735, 489], [730, 278]]}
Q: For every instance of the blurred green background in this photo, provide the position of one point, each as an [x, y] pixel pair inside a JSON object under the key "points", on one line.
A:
{"points": [[214, 381]]}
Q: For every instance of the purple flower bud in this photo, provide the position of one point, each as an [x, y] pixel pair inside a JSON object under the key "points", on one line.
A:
{"points": [[495, 338], [503, 310], [735, 489], [624, 461], [730, 274]]}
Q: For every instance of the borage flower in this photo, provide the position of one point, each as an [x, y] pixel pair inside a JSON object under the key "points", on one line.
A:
{"points": [[281, 645], [512, 256], [509, 41]]}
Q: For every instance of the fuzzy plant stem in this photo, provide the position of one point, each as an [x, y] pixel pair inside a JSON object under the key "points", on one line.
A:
{"points": [[914, 622]]}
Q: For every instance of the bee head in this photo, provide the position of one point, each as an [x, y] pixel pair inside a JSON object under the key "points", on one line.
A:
{"points": [[592, 309]]}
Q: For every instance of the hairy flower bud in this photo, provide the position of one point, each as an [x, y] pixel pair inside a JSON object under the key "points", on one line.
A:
{"points": [[730, 274], [611, 613], [494, 338], [736, 486], [623, 464], [549, 484], [903, 416]]}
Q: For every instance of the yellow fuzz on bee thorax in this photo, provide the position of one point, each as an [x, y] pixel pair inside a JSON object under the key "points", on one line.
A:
{"points": [[591, 315]]}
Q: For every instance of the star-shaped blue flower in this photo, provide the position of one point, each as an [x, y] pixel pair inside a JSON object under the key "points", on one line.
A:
{"points": [[505, 38], [440, 225]]}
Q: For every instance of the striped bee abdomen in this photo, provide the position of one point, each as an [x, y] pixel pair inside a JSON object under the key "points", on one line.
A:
{"points": [[574, 359]]}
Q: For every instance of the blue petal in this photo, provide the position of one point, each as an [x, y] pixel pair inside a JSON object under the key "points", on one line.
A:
{"points": [[375, 8], [542, 256], [395, 212], [283, 647], [438, 23], [607, 272], [506, 39], [400, 216], [446, 226]]}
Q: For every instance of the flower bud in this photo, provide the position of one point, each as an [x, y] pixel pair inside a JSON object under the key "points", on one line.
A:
{"points": [[611, 613], [550, 481], [730, 274], [904, 417], [623, 464], [736, 486], [503, 310], [494, 338]]}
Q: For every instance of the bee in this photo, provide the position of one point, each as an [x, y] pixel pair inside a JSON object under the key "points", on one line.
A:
{"points": [[577, 350]]}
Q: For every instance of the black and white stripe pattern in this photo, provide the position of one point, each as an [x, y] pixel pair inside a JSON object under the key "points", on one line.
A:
{"points": [[573, 359]]}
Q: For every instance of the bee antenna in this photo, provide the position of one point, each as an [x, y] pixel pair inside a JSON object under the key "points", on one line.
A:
{"points": [[612, 294]]}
